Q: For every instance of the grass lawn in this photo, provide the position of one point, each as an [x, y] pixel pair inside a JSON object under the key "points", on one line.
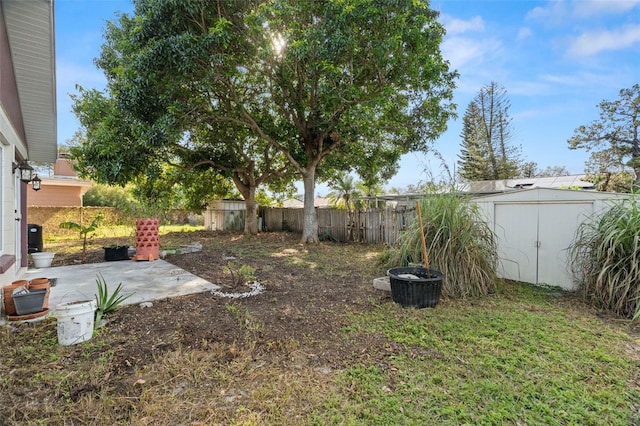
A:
{"points": [[322, 347], [517, 357]]}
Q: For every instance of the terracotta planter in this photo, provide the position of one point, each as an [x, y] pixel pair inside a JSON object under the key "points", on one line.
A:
{"points": [[41, 283], [147, 240], [9, 305]]}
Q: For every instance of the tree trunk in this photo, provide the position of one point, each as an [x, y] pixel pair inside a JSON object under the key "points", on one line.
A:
{"points": [[249, 194], [310, 225], [251, 219], [605, 185]]}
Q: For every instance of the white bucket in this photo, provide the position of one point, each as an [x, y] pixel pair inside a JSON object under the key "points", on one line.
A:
{"points": [[75, 321], [42, 259]]}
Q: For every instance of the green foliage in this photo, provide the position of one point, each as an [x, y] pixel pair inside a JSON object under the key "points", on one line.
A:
{"points": [[85, 232], [621, 181], [107, 303], [107, 196], [344, 190], [264, 199], [613, 139], [349, 86], [241, 274], [605, 259], [459, 243]]}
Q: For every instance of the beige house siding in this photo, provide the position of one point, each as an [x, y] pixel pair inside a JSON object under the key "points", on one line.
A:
{"points": [[56, 195]]}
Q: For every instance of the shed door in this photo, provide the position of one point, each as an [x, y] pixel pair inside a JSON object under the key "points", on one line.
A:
{"points": [[557, 225], [516, 228], [533, 239]]}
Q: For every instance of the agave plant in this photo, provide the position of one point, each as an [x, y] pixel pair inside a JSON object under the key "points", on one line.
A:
{"points": [[459, 242], [605, 259], [107, 303]]}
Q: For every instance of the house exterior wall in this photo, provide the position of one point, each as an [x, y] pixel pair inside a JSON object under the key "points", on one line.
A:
{"points": [[64, 189], [56, 196], [11, 146], [20, 131]]}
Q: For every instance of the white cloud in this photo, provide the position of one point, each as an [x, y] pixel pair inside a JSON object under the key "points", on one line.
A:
{"points": [[594, 42], [461, 51], [586, 8], [605, 78], [459, 26], [524, 33], [558, 11], [555, 12]]}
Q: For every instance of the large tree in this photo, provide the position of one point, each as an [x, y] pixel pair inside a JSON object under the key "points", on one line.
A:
{"points": [[487, 152], [159, 127], [613, 138], [326, 84]]}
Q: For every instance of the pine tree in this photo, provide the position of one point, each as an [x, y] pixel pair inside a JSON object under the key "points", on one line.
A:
{"points": [[486, 152]]}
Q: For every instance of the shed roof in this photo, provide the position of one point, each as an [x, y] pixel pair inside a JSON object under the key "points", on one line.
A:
{"points": [[551, 195]]}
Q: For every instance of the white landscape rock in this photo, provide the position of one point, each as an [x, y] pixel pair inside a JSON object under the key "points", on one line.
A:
{"points": [[256, 288], [382, 283], [409, 276]]}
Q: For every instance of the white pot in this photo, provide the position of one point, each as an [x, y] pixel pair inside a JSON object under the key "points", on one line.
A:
{"points": [[42, 259]]}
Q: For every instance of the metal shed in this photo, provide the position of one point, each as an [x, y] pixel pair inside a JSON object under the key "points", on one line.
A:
{"points": [[535, 227], [225, 215]]}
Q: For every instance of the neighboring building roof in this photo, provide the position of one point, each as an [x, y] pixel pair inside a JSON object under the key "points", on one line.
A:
{"points": [[488, 187], [31, 34], [496, 186], [293, 203]]}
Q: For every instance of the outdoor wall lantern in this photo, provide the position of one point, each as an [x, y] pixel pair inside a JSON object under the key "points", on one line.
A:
{"points": [[35, 183], [26, 174]]}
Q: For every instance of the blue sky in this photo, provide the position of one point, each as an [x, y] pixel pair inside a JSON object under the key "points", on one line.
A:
{"points": [[557, 60]]}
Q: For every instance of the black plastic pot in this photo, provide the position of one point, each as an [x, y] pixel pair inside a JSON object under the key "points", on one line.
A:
{"points": [[421, 292], [116, 253]]}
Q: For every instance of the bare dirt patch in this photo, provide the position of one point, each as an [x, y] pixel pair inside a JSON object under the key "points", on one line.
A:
{"points": [[294, 323]]}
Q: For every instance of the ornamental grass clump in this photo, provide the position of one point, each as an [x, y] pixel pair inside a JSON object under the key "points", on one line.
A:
{"points": [[605, 259], [459, 242]]}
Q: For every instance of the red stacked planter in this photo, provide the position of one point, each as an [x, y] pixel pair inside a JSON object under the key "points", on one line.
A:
{"points": [[147, 240]]}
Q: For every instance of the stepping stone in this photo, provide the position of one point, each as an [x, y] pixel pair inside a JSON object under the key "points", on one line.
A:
{"points": [[382, 283]]}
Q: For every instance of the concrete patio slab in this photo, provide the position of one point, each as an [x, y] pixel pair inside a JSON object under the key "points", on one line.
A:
{"points": [[145, 281]]}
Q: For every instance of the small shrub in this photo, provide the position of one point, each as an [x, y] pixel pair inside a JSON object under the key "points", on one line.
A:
{"points": [[241, 274], [605, 259], [85, 232], [459, 243]]}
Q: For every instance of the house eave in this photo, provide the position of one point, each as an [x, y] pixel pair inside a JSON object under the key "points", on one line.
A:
{"points": [[30, 29]]}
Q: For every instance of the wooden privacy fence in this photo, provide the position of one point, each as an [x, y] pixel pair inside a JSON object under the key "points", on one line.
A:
{"points": [[372, 226]]}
